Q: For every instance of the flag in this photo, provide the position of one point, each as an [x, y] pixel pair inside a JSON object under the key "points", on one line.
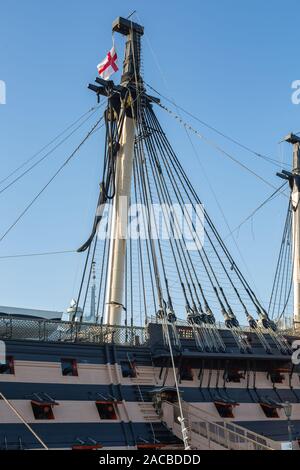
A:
{"points": [[109, 65]]}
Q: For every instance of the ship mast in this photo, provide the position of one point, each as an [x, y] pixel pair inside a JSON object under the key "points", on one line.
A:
{"points": [[140, 163], [294, 180], [93, 294], [124, 165]]}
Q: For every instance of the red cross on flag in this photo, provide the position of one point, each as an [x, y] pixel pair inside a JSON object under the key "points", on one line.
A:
{"points": [[109, 65]]}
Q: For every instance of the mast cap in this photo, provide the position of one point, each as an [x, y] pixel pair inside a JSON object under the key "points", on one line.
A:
{"points": [[124, 26], [292, 138]]}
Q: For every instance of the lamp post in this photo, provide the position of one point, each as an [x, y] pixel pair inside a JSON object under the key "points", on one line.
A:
{"points": [[287, 406]]}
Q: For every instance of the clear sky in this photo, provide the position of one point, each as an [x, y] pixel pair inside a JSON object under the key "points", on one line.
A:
{"points": [[229, 62]]}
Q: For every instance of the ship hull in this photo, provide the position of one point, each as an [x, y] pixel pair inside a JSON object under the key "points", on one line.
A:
{"points": [[137, 381]]}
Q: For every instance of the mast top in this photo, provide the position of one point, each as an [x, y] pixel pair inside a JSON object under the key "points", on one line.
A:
{"points": [[124, 26], [132, 60], [292, 138]]}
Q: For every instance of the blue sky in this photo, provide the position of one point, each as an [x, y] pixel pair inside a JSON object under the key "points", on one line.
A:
{"points": [[231, 63]]}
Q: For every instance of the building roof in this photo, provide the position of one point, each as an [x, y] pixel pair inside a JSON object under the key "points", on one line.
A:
{"points": [[31, 312]]}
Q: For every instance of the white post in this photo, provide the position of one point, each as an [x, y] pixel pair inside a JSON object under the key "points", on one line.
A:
{"points": [[295, 198], [124, 164], [93, 295], [296, 233], [118, 235]]}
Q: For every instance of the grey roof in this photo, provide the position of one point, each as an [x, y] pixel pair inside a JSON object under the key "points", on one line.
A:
{"points": [[30, 312]]}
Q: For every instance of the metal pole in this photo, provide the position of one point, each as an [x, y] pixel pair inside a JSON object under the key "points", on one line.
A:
{"points": [[290, 432], [287, 407], [93, 294], [294, 180]]}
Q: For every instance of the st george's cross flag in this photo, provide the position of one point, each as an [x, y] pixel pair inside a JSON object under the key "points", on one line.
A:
{"points": [[109, 65]]}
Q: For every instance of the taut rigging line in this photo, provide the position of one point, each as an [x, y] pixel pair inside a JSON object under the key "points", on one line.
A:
{"points": [[50, 180], [217, 147], [230, 139], [261, 205], [90, 113]]}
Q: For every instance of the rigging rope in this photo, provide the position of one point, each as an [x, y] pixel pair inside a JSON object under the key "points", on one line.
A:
{"points": [[283, 279], [216, 146], [159, 177], [182, 419], [218, 204], [269, 198], [16, 412], [50, 181], [91, 110], [15, 180], [234, 141], [190, 200], [45, 253]]}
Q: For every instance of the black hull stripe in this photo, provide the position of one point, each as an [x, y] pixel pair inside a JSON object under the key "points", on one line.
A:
{"points": [[62, 435], [90, 392]]}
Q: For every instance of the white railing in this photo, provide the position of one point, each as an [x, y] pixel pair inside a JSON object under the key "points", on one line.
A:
{"points": [[208, 434]]}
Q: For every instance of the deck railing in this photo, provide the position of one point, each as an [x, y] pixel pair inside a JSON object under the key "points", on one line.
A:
{"points": [[15, 327], [34, 329]]}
